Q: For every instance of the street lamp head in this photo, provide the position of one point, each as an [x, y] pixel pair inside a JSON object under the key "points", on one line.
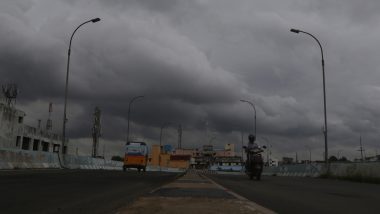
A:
{"points": [[95, 20], [294, 30]]}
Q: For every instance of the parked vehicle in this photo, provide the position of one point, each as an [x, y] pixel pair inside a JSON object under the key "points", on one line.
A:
{"points": [[254, 164], [136, 156]]}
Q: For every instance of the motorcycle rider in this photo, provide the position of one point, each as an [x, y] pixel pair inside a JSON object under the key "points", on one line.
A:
{"points": [[251, 142], [254, 163], [252, 145]]}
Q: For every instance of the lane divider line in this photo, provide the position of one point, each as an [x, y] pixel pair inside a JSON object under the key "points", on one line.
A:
{"points": [[252, 205]]}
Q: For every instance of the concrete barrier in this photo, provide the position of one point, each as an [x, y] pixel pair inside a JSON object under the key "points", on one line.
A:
{"points": [[303, 170], [235, 168], [15, 159], [85, 162], [367, 169], [23, 159], [163, 169]]}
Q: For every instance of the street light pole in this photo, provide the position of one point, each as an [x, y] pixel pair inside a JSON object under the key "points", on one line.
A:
{"points": [[254, 108], [324, 89], [129, 113], [67, 83]]}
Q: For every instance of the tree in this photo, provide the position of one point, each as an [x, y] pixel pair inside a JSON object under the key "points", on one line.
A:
{"points": [[117, 158], [343, 159], [333, 159]]}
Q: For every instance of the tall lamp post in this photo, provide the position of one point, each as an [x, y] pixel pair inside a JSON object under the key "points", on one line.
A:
{"points": [[67, 82], [129, 113], [254, 108], [324, 89]]}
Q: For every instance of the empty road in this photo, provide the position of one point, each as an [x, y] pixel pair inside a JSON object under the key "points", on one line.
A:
{"points": [[305, 195], [74, 191]]}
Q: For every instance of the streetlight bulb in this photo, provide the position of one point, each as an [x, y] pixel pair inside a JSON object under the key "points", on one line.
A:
{"points": [[294, 30], [95, 20]]}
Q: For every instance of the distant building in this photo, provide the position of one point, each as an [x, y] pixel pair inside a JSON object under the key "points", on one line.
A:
{"points": [[287, 160], [14, 134], [194, 158], [227, 161], [229, 151], [183, 151], [162, 158], [372, 158]]}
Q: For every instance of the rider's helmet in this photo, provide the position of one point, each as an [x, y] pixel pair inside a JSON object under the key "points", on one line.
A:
{"points": [[251, 138]]}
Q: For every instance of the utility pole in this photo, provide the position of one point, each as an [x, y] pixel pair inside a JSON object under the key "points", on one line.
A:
{"points": [[361, 148], [179, 136], [96, 132], [310, 156], [242, 144], [49, 123], [104, 151]]}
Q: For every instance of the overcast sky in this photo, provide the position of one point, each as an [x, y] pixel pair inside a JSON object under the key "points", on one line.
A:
{"points": [[194, 61]]}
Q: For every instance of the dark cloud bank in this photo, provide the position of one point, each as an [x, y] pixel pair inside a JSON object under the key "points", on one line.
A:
{"points": [[194, 61]]}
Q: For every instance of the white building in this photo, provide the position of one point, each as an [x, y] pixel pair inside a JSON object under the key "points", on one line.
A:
{"points": [[14, 134]]}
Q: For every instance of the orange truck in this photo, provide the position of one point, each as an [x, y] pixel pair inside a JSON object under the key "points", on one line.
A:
{"points": [[136, 156]]}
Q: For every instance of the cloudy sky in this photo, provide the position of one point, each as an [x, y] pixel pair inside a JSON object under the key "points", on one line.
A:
{"points": [[193, 61]]}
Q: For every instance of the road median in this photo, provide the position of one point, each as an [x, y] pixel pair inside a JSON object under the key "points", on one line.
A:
{"points": [[193, 193]]}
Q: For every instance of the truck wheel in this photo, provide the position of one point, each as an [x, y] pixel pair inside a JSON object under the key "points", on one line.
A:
{"points": [[124, 168]]}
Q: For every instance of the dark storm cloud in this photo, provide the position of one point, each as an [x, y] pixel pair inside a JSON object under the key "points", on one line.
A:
{"points": [[194, 61]]}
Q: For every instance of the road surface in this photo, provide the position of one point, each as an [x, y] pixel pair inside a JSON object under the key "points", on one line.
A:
{"points": [[74, 191], [305, 195]]}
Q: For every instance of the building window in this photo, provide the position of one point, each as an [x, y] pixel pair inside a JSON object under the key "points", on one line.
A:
{"points": [[35, 144], [20, 119], [45, 146], [18, 141], [25, 143], [56, 147]]}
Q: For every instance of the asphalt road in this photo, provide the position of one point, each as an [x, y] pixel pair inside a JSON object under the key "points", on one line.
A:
{"points": [[74, 191], [305, 195]]}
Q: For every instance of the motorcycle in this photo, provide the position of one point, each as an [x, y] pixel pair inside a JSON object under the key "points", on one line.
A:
{"points": [[254, 163]]}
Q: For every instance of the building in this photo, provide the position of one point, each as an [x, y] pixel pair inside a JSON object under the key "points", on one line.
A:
{"points": [[14, 134], [162, 158], [287, 160], [191, 152]]}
